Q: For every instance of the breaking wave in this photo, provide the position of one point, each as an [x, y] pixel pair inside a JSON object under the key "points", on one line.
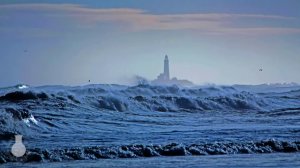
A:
{"points": [[133, 151], [114, 115], [146, 97]]}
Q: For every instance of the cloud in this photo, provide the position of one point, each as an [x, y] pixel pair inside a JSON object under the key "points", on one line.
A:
{"points": [[141, 20]]}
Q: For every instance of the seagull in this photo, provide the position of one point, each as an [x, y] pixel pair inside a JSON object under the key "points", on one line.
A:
{"points": [[89, 80], [260, 69]]}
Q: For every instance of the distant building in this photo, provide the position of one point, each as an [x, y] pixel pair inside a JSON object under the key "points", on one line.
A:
{"points": [[166, 75], [164, 78]]}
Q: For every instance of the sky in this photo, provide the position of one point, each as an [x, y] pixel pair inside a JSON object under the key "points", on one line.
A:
{"points": [[51, 42]]}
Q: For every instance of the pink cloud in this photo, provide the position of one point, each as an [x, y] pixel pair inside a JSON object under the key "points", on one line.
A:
{"points": [[140, 20]]}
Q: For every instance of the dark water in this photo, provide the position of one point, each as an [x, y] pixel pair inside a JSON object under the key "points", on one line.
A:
{"points": [[62, 124], [245, 160]]}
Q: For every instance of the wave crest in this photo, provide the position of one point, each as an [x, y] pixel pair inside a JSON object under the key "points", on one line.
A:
{"points": [[173, 149]]}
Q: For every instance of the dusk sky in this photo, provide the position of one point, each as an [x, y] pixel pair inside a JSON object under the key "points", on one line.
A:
{"points": [[207, 41]]}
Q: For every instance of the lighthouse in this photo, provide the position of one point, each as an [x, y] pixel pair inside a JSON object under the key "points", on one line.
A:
{"points": [[164, 77], [166, 68]]}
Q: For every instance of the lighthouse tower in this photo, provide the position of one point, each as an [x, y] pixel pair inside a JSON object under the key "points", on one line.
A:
{"points": [[166, 69], [164, 78]]}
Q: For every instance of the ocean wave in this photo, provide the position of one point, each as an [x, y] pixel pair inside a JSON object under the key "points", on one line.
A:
{"points": [[133, 151], [21, 96], [145, 97], [21, 105], [114, 114]]}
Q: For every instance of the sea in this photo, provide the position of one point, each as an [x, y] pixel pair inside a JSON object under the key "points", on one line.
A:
{"points": [[103, 125]]}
